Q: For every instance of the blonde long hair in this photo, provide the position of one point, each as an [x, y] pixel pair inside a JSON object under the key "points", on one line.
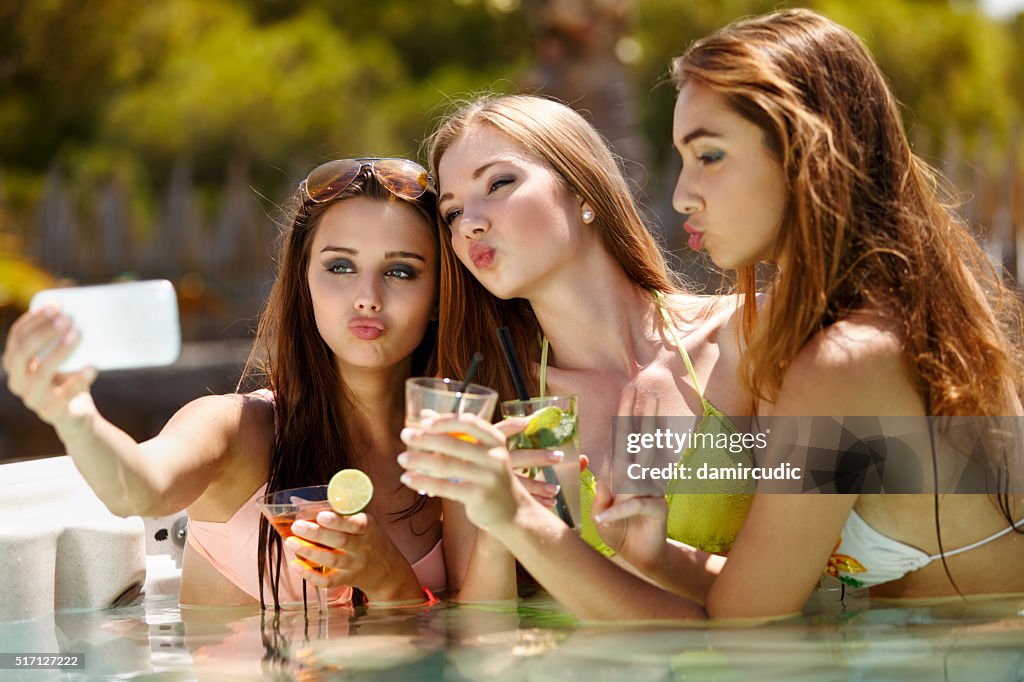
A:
{"points": [[584, 163]]}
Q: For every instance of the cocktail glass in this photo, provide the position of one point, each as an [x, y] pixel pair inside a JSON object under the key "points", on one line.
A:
{"points": [[285, 507], [447, 396], [558, 432]]}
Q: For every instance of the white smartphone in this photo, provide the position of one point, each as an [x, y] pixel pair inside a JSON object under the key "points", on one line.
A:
{"points": [[121, 326]]}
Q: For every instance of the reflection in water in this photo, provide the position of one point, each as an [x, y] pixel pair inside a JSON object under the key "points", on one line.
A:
{"points": [[534, 640]]}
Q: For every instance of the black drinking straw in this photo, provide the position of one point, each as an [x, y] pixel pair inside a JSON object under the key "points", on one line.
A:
{"points": [[517, 378], [513, 365], [473, 364]]}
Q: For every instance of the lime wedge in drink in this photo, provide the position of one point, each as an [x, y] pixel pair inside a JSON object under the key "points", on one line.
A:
{"points": [[545, 418], [349, 491]]}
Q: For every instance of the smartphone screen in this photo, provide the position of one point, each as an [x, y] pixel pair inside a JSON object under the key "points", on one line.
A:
{"points": [[121, 326]]}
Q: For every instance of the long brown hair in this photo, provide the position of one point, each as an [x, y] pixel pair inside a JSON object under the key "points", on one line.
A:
{"points": [[867, 223], [313, 435], [582, 160]]}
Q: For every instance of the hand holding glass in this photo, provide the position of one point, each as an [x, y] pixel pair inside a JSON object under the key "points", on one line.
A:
{"points": [[285, 507], [553, 425], [446, 396]]}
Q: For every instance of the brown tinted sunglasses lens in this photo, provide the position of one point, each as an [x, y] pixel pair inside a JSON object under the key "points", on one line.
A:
{"points": [[404, 178], [329, 180]]}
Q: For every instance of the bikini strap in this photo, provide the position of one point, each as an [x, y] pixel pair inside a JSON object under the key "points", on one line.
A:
{"points": [[979, 543], [659, 300], [543, 365]]}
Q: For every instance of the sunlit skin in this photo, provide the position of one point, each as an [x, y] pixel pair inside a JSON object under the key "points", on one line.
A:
{"points": [[731, 186], [512, 222], [372, 276]]}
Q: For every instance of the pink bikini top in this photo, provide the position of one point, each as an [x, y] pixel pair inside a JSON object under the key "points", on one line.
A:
{"points": [[232, 548]]}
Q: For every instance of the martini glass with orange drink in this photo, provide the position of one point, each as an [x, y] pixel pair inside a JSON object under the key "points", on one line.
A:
{"points": [[348, 492]]}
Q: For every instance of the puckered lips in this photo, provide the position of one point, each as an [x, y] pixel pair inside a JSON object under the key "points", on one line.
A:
{"points": [[696, 240], [366, 328], [482, 255]]}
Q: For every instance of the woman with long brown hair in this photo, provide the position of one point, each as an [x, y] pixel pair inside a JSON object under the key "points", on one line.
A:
{"points": [[349, 319], [793, 153]]}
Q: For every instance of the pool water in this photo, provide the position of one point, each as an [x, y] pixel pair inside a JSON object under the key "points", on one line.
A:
{"points": [[853, 639]]}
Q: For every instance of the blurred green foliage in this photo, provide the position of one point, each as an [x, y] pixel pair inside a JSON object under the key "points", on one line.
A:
{"points": [[952, 67], [124, 90]]}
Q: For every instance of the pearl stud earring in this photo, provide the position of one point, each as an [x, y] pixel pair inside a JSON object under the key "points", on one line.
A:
{"points": [[588, 216]]}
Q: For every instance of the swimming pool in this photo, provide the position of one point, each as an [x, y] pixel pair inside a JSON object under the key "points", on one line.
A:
{"points": [[535, 640]]}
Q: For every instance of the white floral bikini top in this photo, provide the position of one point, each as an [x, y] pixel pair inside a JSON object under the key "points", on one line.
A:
{"points": [[865, 558]]}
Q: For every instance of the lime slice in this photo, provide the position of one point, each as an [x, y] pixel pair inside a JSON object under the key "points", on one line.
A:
{"points": [[545, 418], [349, 491]]}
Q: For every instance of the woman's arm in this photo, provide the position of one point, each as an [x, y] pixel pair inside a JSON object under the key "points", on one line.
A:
{"points": [[155, 478], [854, 368], [480, 477], [491, 572]]}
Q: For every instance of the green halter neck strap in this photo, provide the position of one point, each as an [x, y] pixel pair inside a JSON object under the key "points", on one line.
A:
{"points": [[543, 365], [659, 300]]}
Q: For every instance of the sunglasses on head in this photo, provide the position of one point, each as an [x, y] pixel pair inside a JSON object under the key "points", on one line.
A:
{"points": [[402, 177]]}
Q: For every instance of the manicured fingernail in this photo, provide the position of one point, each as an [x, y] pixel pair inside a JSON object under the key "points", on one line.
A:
{"points": [[302, 526], [403, 458], [406, 479], [552, 488], [555, 456], [292, 543], [407, 434]]}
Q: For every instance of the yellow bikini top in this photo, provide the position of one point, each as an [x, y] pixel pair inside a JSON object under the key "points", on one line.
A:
{"points": [[703, 514]]}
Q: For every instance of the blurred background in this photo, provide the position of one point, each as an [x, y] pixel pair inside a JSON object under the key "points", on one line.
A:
{"points": [[158, 139]]}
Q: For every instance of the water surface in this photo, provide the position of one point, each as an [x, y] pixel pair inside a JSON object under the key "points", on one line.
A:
{"points": [[535, 640]]}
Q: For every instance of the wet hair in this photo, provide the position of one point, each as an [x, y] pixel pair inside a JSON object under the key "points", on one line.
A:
{"points": [[866, 223], [313, 435], [584, 163]]}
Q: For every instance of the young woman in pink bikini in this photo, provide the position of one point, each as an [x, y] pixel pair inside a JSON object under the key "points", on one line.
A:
{"points": [[349, 319]]}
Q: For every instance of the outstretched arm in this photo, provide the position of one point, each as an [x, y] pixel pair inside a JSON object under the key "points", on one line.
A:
{"points": [[158, 477]]}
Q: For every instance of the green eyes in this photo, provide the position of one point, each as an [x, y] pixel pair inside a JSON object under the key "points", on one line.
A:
{"points": [[398, 271]]}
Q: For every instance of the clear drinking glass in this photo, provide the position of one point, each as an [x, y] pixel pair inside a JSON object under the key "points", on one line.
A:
{"points": [[285, 507], [447, 396], [554, 425]]}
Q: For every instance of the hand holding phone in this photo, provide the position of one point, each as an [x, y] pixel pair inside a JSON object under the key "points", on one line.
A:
{"points": [[121, 326]]}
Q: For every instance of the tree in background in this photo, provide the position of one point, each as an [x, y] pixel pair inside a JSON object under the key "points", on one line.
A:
{"points": [[155, 128]]}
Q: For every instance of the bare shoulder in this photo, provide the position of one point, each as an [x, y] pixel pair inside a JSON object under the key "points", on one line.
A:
{"points": [[217, 431], [854, 367], [717, 310], [223, 414]]}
